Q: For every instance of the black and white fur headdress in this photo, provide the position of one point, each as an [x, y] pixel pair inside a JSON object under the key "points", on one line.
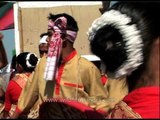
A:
{"points": [[130, 35]]}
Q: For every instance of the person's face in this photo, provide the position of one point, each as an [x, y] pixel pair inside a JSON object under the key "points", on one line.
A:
{"points": [[43, 49]]}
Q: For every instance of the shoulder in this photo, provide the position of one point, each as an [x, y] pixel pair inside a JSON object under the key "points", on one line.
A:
{"points": [[86, 63], [12, 84], [88, 66]]}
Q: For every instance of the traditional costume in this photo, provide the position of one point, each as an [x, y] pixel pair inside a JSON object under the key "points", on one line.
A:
{"points": [[74, 79], [142, 102]]}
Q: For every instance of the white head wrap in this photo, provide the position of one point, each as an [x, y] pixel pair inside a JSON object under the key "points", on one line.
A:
{"points": [[43, 39], [27, 61]]}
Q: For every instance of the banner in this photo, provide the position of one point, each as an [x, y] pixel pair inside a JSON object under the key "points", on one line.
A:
{"points": [[6, 16]]}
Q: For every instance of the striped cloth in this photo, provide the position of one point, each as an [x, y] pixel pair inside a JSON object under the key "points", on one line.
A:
{"points": [[6, 15], [55, 46]]}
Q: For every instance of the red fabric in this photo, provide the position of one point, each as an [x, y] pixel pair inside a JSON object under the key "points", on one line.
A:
{"points": [[18, 110], [7, 20], [58, 79], [12, 94], [73, 85], [144, 101], [14, 89], [21, 79], [103, 79]]}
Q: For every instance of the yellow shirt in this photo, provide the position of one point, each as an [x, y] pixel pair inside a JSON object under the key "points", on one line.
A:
{"points": [[78, 79], [117, 90]]}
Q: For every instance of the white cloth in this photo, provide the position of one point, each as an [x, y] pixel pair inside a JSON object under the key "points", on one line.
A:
{"points": [[91, 57], [43, 39], [5, 73]]}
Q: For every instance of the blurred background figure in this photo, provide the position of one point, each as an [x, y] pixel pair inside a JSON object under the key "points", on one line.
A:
{"points": [[5, 72], [26, 63], [43, 44], [3, 56]]}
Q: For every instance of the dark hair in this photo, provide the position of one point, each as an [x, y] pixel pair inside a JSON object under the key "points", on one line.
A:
{"points": [[13, 62], [43, 34], [71, 22], [22, 60], [144, 16]]}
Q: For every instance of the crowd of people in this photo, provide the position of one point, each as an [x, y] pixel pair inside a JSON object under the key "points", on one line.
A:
{"points": [[63, 84]]}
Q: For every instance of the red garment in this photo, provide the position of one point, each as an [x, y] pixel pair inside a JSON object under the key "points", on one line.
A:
{"points": [[60, 71], [12, 94], [103, 79], [14, 89], [144, 101]]}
